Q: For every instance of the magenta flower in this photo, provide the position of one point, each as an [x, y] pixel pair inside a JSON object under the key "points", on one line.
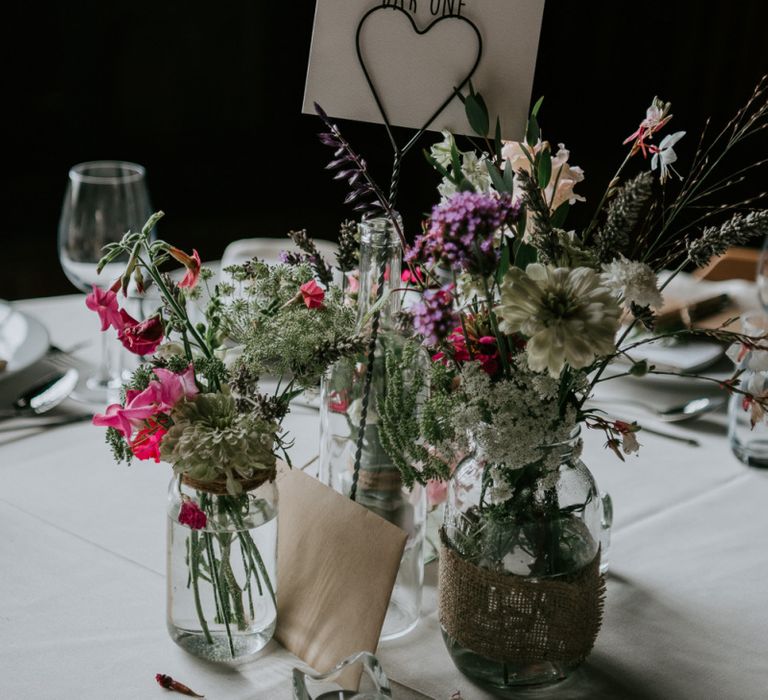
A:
{"points": [[146, 444], [312, 294], [191, 262], [141, 338], [160, 396], [191, 515], [104, 303], [139, 407], [174, 387]]}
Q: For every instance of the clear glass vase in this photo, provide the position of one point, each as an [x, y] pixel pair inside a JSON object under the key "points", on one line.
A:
{"points": [[221, 568], [376, 484], [521, 588], [748, 434]]}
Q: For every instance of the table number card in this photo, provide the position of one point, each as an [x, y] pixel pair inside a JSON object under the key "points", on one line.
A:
{"points": [[416, 52], [337, 563]]}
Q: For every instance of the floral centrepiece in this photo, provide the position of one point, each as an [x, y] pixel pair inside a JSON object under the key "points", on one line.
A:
{"points": [[534, 314], [195, 403]]}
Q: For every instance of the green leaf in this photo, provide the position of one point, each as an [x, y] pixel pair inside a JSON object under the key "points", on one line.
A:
{"points": [[544, 171], [455, 161], [537, 107], [522, 221], [440, 169], [509, 177], [560, 215], [525, 254], [504, 263], [498, 141], [477, 114], [496, 178], [466, 186], [532, 133]]}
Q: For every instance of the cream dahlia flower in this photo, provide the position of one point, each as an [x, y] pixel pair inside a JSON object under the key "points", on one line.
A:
{"points": [[567, 315]]}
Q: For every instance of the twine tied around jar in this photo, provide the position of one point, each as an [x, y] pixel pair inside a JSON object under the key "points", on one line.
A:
{"points": [[515, 620], [218, 487]]}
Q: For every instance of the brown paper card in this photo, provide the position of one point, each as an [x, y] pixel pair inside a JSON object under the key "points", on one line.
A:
{"points": [[414, 73], [337, 563]]}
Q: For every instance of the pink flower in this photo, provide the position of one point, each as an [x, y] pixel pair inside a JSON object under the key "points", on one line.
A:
{"points": [[437, 493], [174, 387], [146, 444], [104, 303], [313, 295], [191, 262], [139, 406], [414, 276], [140, 338], [353, 282], [191, 515], [159, 397]]}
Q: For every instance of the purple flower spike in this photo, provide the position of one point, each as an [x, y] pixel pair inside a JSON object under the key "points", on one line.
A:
{"points": [[461, 231]]}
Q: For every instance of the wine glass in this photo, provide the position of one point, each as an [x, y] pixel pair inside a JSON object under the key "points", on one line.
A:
{"points": [[104, 199]]}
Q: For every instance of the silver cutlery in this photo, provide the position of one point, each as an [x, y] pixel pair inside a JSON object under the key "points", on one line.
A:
{"points": [[689, 410], [41, 424], [44, 396]]}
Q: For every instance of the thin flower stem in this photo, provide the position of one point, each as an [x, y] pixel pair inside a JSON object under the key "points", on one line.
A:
{"points": [[500, 340], [182, 314], [194, 569], [253, 552]]}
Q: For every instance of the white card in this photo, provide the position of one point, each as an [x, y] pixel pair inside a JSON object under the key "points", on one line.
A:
{"points": [[417, 52]]}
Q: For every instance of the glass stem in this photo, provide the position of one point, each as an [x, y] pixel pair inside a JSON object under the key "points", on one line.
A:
{"points": [[105, 365]]}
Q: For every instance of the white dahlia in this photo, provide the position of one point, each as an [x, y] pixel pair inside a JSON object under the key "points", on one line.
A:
{"points": [[568, 315]]}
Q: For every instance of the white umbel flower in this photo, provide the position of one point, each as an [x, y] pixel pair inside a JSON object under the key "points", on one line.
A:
{"points": [[635, 281], [568, 315]]}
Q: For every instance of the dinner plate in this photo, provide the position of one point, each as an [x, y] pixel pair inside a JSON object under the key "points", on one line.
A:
{"points": [[23, 340]]}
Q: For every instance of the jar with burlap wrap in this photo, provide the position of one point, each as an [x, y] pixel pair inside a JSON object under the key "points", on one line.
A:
{"points": [[520, 586], [222, 566]]}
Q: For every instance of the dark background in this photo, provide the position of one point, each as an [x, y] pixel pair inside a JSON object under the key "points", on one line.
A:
{"points": [[208, 96]]}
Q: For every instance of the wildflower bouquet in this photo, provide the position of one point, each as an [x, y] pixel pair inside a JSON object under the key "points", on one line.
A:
{"points": [[195, 402], [523, 316]]}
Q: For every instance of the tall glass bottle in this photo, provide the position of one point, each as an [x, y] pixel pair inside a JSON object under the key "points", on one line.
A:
{"points": [[377, 485]]}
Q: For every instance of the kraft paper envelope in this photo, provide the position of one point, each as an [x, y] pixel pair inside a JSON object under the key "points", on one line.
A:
{"points": [[337, 563], [416, 60]]}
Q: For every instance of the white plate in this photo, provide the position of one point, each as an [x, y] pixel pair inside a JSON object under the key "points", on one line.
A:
{"points": [[23, 340]]}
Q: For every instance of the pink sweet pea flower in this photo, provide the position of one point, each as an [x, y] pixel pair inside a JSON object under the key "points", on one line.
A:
{"points": [[139, 407], [191, 262], [313, 295], [140, 338], [146, 444], [191, 515], [174, 387], [104, 303]]}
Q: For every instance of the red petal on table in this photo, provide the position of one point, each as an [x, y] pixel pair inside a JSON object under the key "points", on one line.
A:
{"points": [[169, 684]]}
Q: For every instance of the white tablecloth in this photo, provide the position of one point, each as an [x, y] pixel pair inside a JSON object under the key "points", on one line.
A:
{"points": [[82, 573]]}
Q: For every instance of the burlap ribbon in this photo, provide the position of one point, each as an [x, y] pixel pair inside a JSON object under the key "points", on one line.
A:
{"points": [[511, 619], [219, 486]]}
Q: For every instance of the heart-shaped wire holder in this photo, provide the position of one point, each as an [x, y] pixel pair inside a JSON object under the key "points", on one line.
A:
{"points": [[399, 154]]}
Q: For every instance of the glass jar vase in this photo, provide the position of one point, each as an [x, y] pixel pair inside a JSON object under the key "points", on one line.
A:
{"points": [[354, 461], [222, 567], [521, 590]]}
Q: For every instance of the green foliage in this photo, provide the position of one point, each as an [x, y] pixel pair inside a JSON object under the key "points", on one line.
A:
{"points": [[121, 450], [399, 428]]}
